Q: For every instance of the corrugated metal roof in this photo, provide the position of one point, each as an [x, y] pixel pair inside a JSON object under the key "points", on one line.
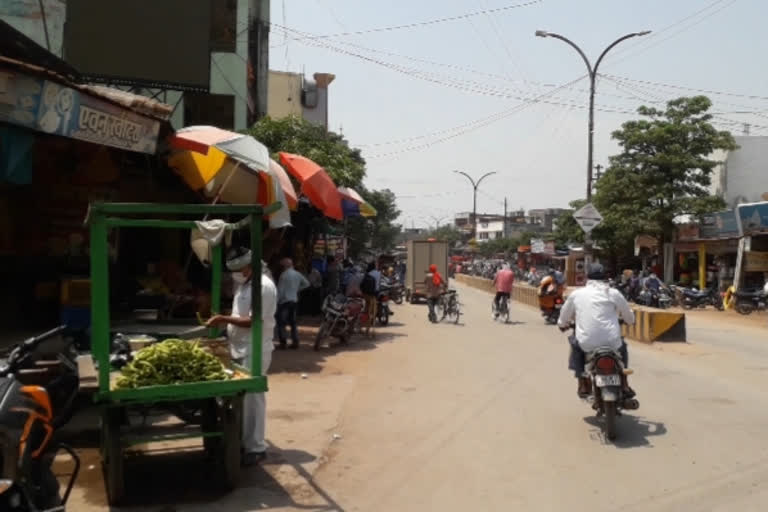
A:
{"points": [[133, 102]]}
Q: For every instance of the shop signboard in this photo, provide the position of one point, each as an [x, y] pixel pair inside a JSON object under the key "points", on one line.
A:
{"points": [[56, 109], [720, 225], [752, 218], [756, 261], [537, 246]]}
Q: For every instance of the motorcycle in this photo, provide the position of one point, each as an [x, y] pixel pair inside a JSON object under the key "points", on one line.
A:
{"points": [[661, 299], [341, 316], [382, 306], [747, 301], [552, 314], [607, 377], [694, 298], [606, 373], [29, 416]]}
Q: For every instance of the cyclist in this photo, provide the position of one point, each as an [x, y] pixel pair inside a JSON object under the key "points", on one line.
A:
{"points": [[504, 281]]}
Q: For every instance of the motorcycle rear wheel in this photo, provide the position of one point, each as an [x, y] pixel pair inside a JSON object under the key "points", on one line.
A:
{"points": [[609, 424], [744, 307]]}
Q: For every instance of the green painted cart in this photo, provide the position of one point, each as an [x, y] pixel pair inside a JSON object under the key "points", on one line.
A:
{"points": [[218, 402]]}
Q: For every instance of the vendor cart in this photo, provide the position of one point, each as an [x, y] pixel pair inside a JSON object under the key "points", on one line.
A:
{"points": [[219, 403]]}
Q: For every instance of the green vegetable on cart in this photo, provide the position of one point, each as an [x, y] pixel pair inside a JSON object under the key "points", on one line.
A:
{"points": [[170, 362]]}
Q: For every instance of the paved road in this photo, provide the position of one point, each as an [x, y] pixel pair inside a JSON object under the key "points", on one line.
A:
{"points": [[484, 416]]}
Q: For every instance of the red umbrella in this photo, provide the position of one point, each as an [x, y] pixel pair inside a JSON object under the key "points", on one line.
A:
{"points": [[315, 184]]}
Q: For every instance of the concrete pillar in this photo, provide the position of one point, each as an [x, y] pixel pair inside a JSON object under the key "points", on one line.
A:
{"points": [[702, 267]]}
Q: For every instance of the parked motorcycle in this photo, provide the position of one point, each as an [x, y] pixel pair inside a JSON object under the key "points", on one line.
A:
{"points": [[382, 306], [694, 298], [747, 301], [661, 299], [341, 316], [33, 405]]}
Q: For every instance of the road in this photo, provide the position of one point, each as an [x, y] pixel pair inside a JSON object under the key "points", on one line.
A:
{"points": [[484, 416]]}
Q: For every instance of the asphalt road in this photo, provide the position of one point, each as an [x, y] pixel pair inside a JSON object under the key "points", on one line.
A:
{"points": [[484, 416]]}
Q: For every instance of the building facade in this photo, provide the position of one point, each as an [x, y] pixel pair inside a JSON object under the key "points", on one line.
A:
{"points": [[236, 94], [292, 94], [741, 178]]}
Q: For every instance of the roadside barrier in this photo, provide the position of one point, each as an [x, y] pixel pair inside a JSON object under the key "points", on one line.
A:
{"points": [[650, 324]]}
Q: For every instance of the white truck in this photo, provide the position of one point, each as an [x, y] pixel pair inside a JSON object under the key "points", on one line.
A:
{"points": [[422, 254]]}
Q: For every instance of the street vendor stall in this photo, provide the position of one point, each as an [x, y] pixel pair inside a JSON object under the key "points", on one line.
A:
{"points": [[219, 401]]}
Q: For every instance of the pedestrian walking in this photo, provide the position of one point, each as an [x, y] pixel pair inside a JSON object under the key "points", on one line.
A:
{"points": [[370, 288]]}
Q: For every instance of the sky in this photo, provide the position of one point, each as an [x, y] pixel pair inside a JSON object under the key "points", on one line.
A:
{"points": [[423, 94]]}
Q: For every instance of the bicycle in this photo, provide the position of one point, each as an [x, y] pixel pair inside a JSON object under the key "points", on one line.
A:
{"points": [[502, 311], [450, 305]]}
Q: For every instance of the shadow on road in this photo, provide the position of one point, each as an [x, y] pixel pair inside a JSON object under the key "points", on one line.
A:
{"points": [[307, 360], [632, 431]]}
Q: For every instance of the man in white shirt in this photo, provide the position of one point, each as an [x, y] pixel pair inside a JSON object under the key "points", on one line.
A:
{"points": [[290, 283], [238, 326], [596, 310]]}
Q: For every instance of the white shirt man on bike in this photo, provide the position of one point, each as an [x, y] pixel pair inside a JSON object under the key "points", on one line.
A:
{"points": [[596, 310]]}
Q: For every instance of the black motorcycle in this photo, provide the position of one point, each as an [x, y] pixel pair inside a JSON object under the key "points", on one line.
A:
{"points": [[693, 298], [32, 407], [747, 301]]}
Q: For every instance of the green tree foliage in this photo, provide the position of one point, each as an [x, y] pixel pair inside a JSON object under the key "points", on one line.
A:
{"points": [[345, 165], [447, 233], [664, 171], [377, 233]]}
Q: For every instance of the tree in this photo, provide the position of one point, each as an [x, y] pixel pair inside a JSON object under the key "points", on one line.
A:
{"points": [[664, 170], [384, 230], [344, 164], [447, 233]]}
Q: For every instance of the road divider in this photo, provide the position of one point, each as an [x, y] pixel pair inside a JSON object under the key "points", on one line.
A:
{"points": [[650, 324]]}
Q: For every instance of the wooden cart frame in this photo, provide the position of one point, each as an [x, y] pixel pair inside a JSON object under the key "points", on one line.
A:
{"points": [[220, 401]]}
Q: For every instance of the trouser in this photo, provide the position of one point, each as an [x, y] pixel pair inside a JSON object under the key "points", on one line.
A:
{"points": [[432, 305], [577, 359], [286, 316], [497, 299], [370, 307], [255, 410]]}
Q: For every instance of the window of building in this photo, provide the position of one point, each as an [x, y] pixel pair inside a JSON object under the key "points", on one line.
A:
{"points": [[483, 236], [224, 26], [484, 224], [209, 109]]}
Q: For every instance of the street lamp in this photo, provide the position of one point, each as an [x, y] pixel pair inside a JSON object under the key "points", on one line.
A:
{"points": [[592, 79], [437, 220], [475, 184]]}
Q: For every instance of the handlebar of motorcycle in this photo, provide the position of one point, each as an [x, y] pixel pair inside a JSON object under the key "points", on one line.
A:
{"points": [[27, 346]]}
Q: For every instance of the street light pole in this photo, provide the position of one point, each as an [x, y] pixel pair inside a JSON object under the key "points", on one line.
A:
{"points": [[592, 81], [475, 184], [591, 127]]}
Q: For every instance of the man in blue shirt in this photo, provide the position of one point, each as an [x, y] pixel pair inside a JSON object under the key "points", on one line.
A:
{"points": [[289, 285]]}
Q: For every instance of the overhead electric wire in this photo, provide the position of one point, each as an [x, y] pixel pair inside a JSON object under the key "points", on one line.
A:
{"points": [[657, 42], [618, 53], [418, 24]]}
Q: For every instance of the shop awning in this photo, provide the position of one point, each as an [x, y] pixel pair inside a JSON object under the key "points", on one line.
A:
{"points": [[44, 101]]}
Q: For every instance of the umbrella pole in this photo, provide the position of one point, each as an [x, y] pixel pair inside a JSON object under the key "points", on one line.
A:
{"points": [[205, 218]]}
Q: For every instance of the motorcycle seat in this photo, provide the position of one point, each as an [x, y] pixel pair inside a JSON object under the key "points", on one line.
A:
{"points": [[695, 293], [750, 293]]}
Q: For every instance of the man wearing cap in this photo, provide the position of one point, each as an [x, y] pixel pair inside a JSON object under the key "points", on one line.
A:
{"points": [[596, 309], [238, 326]]}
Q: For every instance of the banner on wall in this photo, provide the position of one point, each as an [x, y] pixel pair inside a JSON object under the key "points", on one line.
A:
{"points": [[332, 246], [56, 109]]}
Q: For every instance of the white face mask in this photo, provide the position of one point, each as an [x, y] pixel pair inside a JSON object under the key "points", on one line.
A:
{"points": [[239, 277]]}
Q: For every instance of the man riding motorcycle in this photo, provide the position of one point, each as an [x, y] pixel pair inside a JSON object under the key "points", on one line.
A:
{"points": [[596, 310], [550, 289]]}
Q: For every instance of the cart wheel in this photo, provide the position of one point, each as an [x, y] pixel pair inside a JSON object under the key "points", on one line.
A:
{"points": [[227, 447], [112, 454]]}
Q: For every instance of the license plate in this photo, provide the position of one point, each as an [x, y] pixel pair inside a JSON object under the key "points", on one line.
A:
{"points": [[607, 380]]}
